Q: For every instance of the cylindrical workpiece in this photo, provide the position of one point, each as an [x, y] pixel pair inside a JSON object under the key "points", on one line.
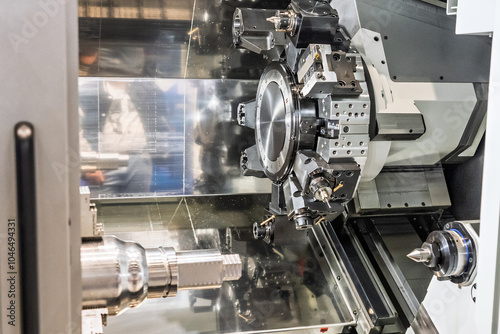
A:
{"points": [[114, 274], [162, 272], [170, 271], [119, 274]]}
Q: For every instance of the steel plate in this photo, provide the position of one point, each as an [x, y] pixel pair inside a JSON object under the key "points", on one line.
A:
{"points": [[275, 129]]}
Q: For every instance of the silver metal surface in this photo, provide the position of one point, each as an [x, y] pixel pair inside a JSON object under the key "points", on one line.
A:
{"points": [[162, 272], [275, 123], [119, 274], [423, 323], [425, 190], [420, 255], [195, 273], [172, 271], [352, 115], [231, 267], [202, 269], [453, 253], [114, 274], [272, 121]]}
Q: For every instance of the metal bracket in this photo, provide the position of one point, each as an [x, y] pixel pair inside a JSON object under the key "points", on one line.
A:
{"points": [[89, 225]]}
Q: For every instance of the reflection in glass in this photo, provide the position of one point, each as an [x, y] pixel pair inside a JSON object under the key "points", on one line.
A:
{"points": [[181, 136], [282, 287]]}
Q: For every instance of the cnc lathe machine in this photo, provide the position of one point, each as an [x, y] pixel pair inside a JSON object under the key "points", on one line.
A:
{"points": [[248, 166]]}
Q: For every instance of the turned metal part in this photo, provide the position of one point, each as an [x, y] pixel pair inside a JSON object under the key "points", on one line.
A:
{"points": [[118, 274]]}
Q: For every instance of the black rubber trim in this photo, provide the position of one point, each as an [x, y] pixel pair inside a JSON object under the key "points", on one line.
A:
{"points": [[27, 222], [372, 129]]}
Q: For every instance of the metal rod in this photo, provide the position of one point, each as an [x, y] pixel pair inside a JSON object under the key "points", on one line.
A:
{"points": [[27, 222]]}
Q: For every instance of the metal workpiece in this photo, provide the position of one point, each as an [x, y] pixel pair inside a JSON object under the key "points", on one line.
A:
{"points": [[119, 274], [451, 253], [163, 273], [231, 267], [92, 161], [206, 269], [114, 274]]}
